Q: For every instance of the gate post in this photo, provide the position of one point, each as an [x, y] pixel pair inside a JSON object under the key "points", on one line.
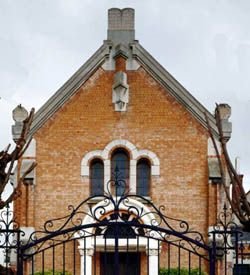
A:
{"points": [[153, 256], [86, 255], [153, 261]]}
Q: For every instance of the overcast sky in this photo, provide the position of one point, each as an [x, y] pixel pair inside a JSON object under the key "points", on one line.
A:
{"points": [[205, 45]]}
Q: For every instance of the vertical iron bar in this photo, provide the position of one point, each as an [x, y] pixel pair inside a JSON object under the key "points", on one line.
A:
{"points": [[212, 256], [32, 265], [63, 257], [169, 253], [43, 262], [179, 259], [199, 265], [116, 266], [94, 254], [74, 257], [237, 247], [19, 255], [189, 262], [6, 249], [242, 256], [158, 257], [148, 255], [84, 255], [105, 255], [225, 257], [137, 254], [127, 263], [53, 259], [211, 262]]}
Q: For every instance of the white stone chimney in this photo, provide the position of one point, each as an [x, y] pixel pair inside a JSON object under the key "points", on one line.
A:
{"points": [[121, 25]]}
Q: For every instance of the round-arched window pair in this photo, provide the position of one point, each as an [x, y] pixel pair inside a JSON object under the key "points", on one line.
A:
{"points": [[120, 162]]}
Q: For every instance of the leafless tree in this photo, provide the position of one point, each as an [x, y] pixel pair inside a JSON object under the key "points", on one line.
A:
{"points": [[238, 199], [8, 161]]}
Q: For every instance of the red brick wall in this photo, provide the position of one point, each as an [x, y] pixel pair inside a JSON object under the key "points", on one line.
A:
{"points": [[154, 120]]}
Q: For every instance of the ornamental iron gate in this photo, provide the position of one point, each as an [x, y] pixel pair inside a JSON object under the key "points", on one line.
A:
{"points": [[125, 234]]}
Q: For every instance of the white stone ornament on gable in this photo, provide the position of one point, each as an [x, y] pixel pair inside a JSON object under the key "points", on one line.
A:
{"points": [[19, 114], [120, 93]]}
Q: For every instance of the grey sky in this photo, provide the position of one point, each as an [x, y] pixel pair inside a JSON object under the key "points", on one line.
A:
{"points": [[205, 45]]}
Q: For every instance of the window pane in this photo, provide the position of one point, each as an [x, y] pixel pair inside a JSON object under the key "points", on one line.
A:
{"points": [[96, 177], [120, 161], [143, 177]]}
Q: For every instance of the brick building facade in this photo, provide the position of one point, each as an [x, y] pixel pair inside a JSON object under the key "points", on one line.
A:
{"points": [[122, 106]]}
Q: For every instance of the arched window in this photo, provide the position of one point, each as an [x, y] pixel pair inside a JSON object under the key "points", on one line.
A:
{"points": [[143, 171], [96, 177], [120, 161]]}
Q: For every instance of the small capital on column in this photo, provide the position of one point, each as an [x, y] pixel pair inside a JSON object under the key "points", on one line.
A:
{"points": [[153, 252], [87, 251]]}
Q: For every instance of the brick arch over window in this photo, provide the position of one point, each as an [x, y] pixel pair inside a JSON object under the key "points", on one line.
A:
{"points": [[134, 155]]}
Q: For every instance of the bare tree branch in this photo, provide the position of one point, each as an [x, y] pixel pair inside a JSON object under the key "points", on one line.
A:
{"points": [[8, 160], [223, 176], [238, 202]]}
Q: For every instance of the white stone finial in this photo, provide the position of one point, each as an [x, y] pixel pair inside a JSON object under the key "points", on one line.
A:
{"points": [[19, 114]]}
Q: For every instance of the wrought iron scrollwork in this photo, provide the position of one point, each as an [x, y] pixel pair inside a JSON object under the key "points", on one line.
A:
{"points": [[10, 235], [116, 207], [227, 236]]}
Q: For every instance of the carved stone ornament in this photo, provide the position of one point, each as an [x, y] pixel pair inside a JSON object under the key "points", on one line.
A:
{"points": [[120, 94], [19, 114]]}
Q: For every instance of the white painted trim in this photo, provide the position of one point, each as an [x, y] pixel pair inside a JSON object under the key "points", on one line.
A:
{"points": [[152, 157], [86, 161], [121, 143], [145, 245], [135, 155]]}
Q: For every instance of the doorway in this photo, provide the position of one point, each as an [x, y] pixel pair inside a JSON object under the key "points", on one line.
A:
{"points": [[129, 263]]}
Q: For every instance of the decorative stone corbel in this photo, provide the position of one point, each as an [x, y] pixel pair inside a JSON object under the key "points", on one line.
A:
{"points": [[120, 94]]}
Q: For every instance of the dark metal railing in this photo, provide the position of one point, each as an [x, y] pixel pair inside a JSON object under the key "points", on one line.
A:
{"points": [[119, 236]]}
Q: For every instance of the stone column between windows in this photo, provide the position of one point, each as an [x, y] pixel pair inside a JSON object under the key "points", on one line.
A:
{"points": [[86, 260], [107, 173], [132, 176], [153, 261]]}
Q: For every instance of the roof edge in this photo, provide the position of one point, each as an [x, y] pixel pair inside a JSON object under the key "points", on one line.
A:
{"points": [[181, 94], [151, 65], [69, 88]]}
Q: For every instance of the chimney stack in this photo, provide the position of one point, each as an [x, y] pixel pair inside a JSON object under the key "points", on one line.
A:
{"points": [[121, 25]]}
